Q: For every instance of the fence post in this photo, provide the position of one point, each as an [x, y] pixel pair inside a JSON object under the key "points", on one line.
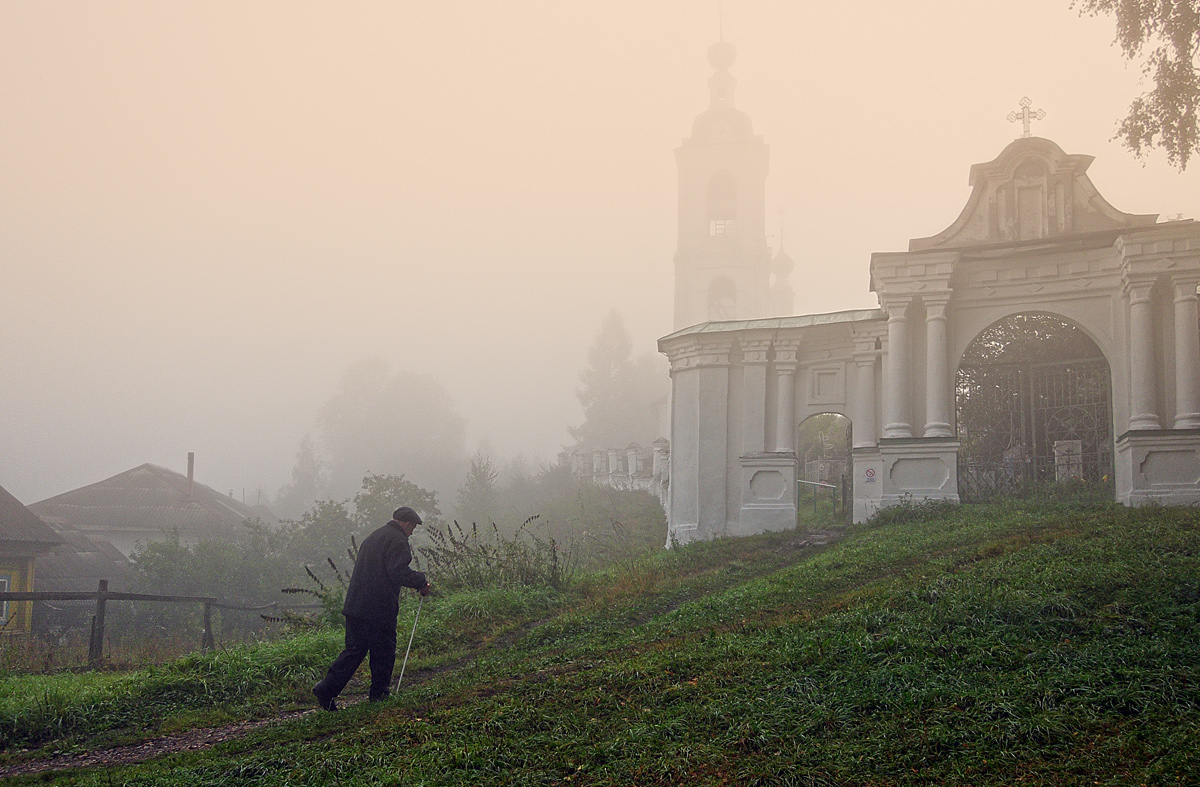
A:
{"points": [[206, 639], [846, 515], [96, 646]]}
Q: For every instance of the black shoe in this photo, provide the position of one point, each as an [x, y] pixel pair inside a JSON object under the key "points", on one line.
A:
{"points": [[324, 699], [380, 697]]}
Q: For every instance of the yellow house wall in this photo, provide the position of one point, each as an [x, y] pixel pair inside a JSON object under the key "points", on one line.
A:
{"points": [[19, 572]]}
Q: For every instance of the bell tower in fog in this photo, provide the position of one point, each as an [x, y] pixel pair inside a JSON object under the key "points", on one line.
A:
{"points": [[722, 261]]}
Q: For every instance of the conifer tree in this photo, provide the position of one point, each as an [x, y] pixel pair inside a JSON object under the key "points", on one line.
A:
{"points": [[621, 395], [308, 479], [478, 497]]}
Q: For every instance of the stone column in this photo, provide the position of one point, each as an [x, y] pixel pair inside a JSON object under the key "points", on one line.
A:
{"points": [[754, 395], [1143, 399], [937, 374], [895, 374], [698, 472], [1187, 355], [864, 428], [785, 380]]}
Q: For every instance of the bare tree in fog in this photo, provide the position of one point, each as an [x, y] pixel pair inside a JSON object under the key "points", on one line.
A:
{"points": [[621, 395], [385, 422]]}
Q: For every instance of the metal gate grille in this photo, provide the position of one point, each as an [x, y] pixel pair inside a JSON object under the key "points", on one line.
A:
{"points": [[1023, 423]]}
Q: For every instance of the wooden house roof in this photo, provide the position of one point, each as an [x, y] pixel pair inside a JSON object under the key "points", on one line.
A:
{"points": [[151, 500], [19, 525], [79, 563]]}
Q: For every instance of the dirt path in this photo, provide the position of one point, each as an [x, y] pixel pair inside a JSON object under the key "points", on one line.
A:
{"points": [[155, 747]]}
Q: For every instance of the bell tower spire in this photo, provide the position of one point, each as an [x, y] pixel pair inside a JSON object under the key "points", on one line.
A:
{"points": [[721, 56], [722, 261]]}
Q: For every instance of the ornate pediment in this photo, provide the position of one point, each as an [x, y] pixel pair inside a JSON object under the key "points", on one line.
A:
{"points": [[1031, 191]]}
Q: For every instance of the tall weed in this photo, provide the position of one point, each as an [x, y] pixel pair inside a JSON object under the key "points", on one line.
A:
{"points": [[474, 559]]}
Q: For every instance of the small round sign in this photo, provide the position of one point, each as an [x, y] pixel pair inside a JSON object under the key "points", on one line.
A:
{"points": [[870, 472]]}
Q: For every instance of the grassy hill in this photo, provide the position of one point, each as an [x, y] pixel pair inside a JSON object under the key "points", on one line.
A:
{"points": [[974, 645]]}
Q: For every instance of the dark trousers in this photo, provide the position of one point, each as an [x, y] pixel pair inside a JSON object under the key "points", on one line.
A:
{"points": [[376, 637]]}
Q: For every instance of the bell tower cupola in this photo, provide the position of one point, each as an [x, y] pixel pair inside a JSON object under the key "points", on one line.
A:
{"points": [[722, 261]]}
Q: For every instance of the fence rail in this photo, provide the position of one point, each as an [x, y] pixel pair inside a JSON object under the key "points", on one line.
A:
{"points": [[839, 492], [102, 595]]}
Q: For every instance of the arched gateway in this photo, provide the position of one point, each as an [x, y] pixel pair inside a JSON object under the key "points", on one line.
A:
{"points": [[1036, 247], [1033, 404]]}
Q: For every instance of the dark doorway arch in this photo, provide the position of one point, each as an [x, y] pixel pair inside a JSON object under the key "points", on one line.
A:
{"points": [[823, 448], [1034, 407]]}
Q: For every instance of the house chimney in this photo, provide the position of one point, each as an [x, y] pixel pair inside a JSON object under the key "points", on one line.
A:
{"points": [[191, 470]]}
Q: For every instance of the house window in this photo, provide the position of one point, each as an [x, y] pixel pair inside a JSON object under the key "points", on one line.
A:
{"points": [[5, 582]]}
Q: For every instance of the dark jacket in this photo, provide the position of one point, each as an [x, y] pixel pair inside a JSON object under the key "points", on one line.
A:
{"points": [[380, 572]]}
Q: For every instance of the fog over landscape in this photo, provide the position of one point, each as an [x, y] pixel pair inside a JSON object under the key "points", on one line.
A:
{"points": [[210, 211]]}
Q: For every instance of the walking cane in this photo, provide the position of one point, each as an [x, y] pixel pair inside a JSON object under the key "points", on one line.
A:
{"points": [[420, 601]]}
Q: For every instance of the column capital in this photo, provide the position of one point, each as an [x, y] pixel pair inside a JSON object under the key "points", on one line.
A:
{"points": [[865, 352], [786, 353], [1185, 286], [896, 305], [1138, 290], [935, 304], [868, 341], [696, 355], [755, 351]]}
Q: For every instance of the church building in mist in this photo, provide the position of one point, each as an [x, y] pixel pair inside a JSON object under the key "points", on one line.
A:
{"points": [[723, 266], [1044, 338]]}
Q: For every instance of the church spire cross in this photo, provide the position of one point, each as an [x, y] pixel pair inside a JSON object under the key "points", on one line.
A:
{"points": [[1026, 115]]}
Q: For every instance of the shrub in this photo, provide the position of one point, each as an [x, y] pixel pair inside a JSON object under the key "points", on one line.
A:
{"points": [[910, 510]]}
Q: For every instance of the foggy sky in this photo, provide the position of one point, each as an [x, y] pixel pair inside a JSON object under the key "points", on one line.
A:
{"points": [[209, 210]]}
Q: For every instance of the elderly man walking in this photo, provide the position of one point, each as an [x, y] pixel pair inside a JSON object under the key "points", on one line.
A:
{"points": [[372, 603]]}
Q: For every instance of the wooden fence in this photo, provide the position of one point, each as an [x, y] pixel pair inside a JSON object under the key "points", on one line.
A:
{"points": [[102, 595]]}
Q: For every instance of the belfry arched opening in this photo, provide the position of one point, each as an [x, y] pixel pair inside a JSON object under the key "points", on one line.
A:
{"points": [[1034, 407]]}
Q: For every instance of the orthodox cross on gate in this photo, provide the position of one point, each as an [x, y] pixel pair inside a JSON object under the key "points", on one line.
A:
{"points": [[1026, 115]]}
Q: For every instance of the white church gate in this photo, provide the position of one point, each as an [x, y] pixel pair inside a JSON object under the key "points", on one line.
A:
{"points": [[1034, 238]]}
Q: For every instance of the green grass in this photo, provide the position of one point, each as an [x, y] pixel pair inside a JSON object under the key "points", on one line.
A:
{"points": [[825, 511], [979, 645]]}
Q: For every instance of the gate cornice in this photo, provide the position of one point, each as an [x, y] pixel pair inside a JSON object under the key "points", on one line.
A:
{"points": [[897, 272], [694, 353], [1172, 249]]}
